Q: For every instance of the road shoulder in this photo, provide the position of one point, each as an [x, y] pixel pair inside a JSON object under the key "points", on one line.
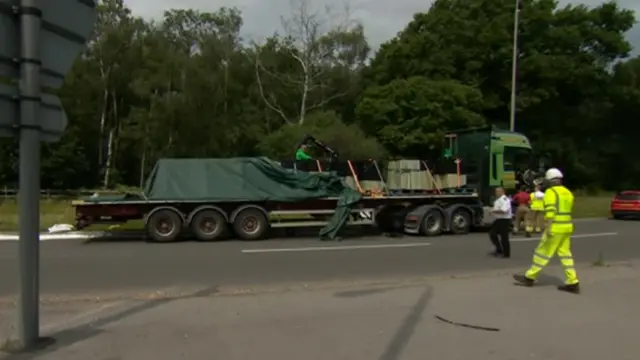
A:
{"points": [[389, 319]]}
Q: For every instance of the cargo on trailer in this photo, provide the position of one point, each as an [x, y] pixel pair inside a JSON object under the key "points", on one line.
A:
{"points": [[245, 197]]}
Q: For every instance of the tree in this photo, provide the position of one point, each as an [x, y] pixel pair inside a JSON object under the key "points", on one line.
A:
{"points": [[112, 50], [410, 116], [320, 51], [621, 170], [348, 140], [563, 72], [188, 85]]}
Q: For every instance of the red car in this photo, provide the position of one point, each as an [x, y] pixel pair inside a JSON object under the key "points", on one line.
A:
{"points": [[626, 204]]}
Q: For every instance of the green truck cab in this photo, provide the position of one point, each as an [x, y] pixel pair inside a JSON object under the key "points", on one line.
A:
{"points": [[490, 158]]}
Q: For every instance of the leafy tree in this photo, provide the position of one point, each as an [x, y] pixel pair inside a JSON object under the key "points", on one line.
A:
{"points": [[320, 53], [349, 140], [563, 67], [188, 85], [621, 167], [410, 116]]}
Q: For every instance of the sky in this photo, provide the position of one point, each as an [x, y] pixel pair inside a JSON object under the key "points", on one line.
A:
{"points": [[382, 19]]}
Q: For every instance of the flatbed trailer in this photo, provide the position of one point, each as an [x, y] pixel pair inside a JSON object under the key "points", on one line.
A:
{"points": [[477, 160], [415, 213]]}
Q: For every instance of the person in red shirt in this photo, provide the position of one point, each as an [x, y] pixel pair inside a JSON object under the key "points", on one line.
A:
{"points": [[522, 201]]}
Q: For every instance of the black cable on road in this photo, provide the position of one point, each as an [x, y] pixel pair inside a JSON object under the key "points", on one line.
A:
{"points": [[466, 325]]}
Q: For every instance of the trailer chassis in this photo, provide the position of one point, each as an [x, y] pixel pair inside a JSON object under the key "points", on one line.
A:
{"points": [[166, 221]]}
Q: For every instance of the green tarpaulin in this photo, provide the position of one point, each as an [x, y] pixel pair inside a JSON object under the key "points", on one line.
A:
{"points": [[248, 179]]}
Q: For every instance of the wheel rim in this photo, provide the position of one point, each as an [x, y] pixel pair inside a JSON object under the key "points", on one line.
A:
{"points": [[165, 227], [433, 223], [459, 221], [250, 225], [208, 226]]}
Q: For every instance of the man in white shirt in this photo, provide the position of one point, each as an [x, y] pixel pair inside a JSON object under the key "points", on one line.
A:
{"points": [[499, 233]]}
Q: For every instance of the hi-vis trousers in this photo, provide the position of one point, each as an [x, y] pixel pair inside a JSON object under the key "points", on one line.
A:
{"points": [[556, 244]]}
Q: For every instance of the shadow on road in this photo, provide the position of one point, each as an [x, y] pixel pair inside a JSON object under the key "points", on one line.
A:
{"points": [[84, 332], [548, 280], [404, 333]]}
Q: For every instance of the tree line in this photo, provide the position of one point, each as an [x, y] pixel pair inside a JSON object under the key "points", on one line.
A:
{"points": [[189, 85]]}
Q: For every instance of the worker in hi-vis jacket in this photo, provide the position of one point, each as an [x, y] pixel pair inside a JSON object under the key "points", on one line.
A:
{"points": [[556, 239]]}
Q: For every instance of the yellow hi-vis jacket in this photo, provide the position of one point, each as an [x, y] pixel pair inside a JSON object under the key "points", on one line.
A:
{"points": [[537, 204], [558, 206]]}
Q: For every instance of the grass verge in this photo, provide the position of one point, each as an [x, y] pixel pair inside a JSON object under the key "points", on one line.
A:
{"points": [[57, 211], [52, 211], [592, 206]]}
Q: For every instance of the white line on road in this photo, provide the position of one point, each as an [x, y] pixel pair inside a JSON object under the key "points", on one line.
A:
{"points": [[334, 248], [52, 237], [391, 246], [578, 236]]}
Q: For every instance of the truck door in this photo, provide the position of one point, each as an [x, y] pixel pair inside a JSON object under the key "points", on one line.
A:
{"points": [[483, 176], [496, 174]]}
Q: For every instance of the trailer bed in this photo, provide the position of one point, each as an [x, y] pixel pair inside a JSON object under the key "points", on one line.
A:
{"points": [[402, 213], [140, 200], [233, 194]]}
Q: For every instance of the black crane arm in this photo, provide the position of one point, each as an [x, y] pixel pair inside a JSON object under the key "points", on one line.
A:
{"points": [[310, 140]]}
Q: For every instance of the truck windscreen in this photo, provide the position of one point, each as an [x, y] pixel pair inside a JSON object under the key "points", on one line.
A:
{"points": [[516, 158]]}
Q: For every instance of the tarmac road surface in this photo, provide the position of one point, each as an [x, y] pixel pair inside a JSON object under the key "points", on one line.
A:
{"points": [[74, 267]]}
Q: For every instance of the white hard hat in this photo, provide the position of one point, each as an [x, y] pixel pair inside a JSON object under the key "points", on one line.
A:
{"points": [[553, 173]]}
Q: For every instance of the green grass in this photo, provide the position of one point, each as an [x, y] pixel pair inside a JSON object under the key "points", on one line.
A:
{"points": [[59, 211], [592, 206], [52, 211]]}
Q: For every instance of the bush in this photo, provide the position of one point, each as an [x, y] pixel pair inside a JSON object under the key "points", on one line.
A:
{"points": [[348, 140]]}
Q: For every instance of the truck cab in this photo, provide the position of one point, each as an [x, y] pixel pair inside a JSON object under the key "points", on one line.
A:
{"points": [[490, 158]]}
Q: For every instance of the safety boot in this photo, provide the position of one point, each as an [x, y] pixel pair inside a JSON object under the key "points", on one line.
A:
{"points": [[523, 280], [572, 289], [528, 230]]}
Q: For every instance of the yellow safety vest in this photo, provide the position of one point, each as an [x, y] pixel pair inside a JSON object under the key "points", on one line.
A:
{"points": [[536, 204], [558, 206]]}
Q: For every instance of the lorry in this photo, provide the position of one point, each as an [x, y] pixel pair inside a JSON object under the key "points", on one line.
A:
{"points": [[245, 197]]}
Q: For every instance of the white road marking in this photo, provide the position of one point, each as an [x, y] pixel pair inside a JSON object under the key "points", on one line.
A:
{"points": [[391, 246], [335, 248], [577, 236], [53, 237]]}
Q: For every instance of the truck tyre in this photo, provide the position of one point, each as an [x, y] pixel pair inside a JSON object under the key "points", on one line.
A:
{"points": [[164, 226], [251, 224], [208, 225], [460, 222], [432, 223]]}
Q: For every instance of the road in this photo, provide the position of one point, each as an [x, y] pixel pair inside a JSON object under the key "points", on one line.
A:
{"points": [[73, 267]]}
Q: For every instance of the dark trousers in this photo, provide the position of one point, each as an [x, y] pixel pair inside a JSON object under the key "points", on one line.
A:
{"points": [[499, 235]]}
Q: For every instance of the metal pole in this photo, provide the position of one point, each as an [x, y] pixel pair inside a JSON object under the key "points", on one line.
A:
{"points": [[514, 67], [29, 191]]}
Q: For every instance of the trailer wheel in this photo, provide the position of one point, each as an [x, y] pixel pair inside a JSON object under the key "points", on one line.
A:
{"points": [[460, 222], [208, 225], [432, 224], [251, 224], [164, 226]]}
